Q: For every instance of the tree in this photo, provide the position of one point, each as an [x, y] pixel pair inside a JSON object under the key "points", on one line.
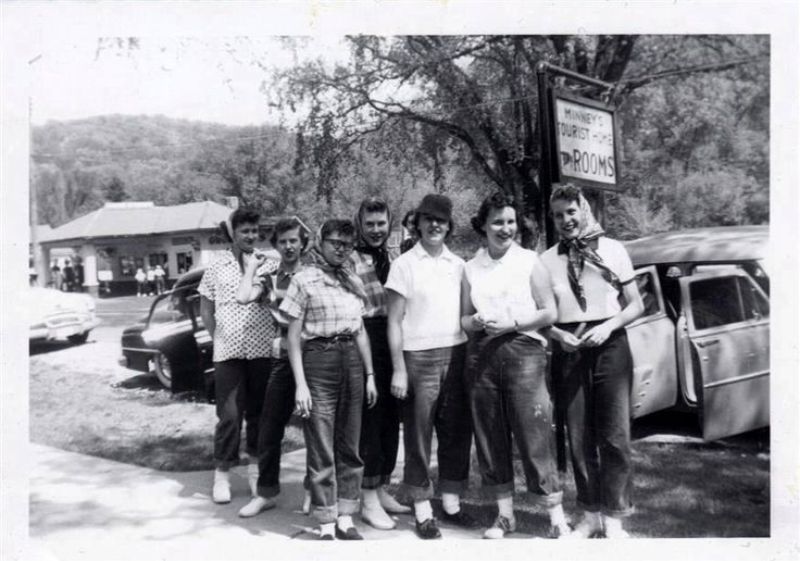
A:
{"points": [[477, 94]]}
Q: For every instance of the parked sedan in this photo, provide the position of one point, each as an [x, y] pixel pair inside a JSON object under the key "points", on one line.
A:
{"points": [[56, 315], [703, 340], [172, 342]]}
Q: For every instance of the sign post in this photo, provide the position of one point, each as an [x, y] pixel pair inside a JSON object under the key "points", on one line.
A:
{"points": [[579, 141]]}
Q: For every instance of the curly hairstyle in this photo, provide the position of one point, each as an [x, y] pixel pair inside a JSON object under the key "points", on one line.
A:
{"points": [[496, 201], [286, 224]]}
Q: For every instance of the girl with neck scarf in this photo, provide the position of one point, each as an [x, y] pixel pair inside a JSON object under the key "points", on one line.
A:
{"points": [[325, 303], [380, 425], [592, 364]]}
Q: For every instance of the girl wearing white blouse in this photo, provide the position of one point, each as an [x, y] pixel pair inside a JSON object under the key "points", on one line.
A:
{"points": [[506, 301]]}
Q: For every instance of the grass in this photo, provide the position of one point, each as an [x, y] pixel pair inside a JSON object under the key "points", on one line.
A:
{"points": [[681, 490], [81, 401]]}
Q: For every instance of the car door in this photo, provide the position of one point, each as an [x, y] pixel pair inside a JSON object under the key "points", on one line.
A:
{"points": [[652, 343], [727, 321]]}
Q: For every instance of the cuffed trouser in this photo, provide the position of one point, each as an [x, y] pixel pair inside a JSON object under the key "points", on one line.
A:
{"points": [[380, 425], [595, 384], [239, 385], [277, 410], [335, 379], [509, 395], [437, 397]]}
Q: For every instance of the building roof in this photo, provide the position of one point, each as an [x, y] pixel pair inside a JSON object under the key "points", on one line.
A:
{"points": [[724, 244], [139, 218]]}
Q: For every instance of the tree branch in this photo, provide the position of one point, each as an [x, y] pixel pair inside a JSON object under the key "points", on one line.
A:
{"points": [[634, 83]]}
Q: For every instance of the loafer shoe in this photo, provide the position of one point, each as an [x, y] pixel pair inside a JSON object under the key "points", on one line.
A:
{"points": [[350, 534], [255, 506], [460, 518], [557, 532], [427, 529], [326, 537], [500, 528], [377, 518]]}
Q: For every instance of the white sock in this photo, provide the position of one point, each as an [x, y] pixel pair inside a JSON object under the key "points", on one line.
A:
{"points": [[557, 517], [423, 511], [505, 507], [222, 475], [451, 503], [369, 498], [612, 524], [327, 529], [344, 522]]}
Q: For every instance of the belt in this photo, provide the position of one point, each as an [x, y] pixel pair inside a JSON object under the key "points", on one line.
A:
{"points": [[340, 338]]}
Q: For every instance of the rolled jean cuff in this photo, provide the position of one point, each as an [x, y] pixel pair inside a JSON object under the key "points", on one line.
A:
{"points": [[549, 501], [225, 465], [450, 486], [347, 507], [325, 514], [619, 513], [374, 481], [499, 490], [416, 494], [269, 491]]}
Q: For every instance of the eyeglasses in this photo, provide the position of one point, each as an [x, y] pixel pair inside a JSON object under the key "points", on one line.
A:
{"points": [[339, 245]]}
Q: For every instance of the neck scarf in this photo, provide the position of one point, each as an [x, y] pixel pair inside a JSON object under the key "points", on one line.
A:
{"points": [[583, 248], [380, 255], [342, 273]]}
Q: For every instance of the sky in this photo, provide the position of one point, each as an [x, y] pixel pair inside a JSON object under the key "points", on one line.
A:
{"points": [[211, 79]]}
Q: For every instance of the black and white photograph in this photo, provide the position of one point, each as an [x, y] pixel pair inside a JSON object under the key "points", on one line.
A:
{"points": [[422, 273]]}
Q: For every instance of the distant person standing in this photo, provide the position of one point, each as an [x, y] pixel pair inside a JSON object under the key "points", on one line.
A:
{"points": [[159, 275], [151, 280], [242, 336], [69, 277], [78, 276], [592, 364], [141, 279], [55, 276]]}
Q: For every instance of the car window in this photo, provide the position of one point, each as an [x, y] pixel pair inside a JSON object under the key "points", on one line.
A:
{"points": [[647, 289], [715, 302], [756, 306], [169, 309]]}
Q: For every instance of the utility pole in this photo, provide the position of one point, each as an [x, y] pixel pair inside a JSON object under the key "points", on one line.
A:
{"points": [[38, 265]]}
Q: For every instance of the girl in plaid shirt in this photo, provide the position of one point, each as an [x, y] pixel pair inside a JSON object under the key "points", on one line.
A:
{"points": [[326, 337]]}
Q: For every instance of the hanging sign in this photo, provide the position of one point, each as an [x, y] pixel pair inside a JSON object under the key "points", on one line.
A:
{"points": [[586, 141]]}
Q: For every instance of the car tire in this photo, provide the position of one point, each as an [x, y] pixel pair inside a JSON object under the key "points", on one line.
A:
{"points": [[163, 370], [79, 338]]}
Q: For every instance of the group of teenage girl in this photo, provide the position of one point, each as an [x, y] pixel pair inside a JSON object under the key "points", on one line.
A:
{"points": [[356, 338]]}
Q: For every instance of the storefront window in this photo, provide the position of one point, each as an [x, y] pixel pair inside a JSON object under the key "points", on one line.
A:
{"points": [[185, 261]]}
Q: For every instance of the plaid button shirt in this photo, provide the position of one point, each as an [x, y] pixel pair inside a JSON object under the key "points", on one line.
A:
{"points": [[364, 267], [243, 331], [325, 307]]}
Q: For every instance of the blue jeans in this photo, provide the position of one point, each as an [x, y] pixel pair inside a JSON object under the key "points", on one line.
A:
{"points": [[335, 379], [437, 398], [594, 385], [380, 425], [239, 385], [509, 396]]}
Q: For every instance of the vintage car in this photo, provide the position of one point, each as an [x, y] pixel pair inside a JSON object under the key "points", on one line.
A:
{"points": [[56, 315], [703, 340], [172, 342]]}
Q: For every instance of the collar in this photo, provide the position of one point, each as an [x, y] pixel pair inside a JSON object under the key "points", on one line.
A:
{"points": [[483, 258], [419, 252], [592, 243], [282, 271]]}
